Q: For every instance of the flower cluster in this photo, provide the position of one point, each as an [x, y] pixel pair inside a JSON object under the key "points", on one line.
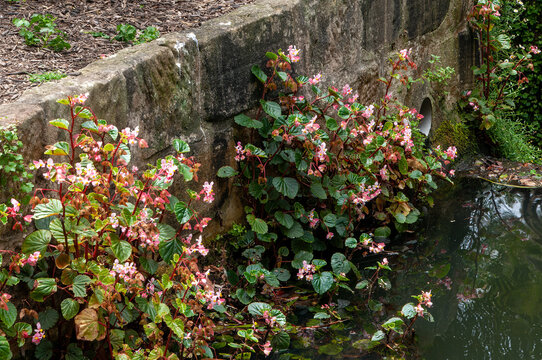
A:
{"points": [[423, 299], [197, 247], [267, 348], [269, 319], [376, 248], [293, 54], [167, 169], [149, 289], [127, 272], [313, 220], [207, 191], [365, 194], [315, 79], [214, 298], [240, 152], [32, 259], [39, 334], [306, 271], [79, 99]]}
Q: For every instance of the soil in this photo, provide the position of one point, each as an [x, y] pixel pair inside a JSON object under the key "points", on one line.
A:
{"points": [[77, 18]]}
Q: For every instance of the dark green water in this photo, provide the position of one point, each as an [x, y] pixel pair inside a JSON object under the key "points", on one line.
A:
{"points": [[487, 283], [481, 256]]}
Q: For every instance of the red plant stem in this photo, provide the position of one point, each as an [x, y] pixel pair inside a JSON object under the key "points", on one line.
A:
{"points": [[139, 196], [70, 132], [113, 160], [169, 336], [504, 84], [488, 56]]}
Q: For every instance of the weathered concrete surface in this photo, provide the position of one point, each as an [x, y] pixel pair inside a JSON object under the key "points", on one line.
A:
{"points": [[191, 84]]}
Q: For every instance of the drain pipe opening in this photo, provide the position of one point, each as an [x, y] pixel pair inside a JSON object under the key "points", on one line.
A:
{"points": [[427, 111]]}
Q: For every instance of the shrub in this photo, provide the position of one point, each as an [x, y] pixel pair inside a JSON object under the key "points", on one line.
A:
{"points": [[501, 77], [103, 275], [327, 178]]}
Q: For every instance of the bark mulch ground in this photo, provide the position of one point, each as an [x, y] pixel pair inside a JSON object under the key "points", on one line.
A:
{"points": [[77, 18]]}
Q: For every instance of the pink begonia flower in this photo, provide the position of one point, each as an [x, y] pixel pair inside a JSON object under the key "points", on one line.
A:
{"points": [[316, 79], [321, 153], [307, 271], [131, 135], [311, 126], [240, 152], [419, 310], [16, 205], [38, 164], [293, 54], [214, 299], [33, 258], [451, 152], [347, 90], [535, 50], [79, 99], [208, 191], [267, 348], [39, 334], [368, 112], [313, 220], [404, 54]]}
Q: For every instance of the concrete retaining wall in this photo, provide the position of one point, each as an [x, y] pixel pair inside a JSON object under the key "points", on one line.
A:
{"points": [[191, 84]]}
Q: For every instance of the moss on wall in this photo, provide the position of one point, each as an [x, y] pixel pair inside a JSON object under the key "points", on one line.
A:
{"points": [[454, 132]]}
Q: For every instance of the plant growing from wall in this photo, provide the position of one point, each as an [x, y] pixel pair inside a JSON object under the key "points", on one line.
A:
{"points": [[41, 30]]}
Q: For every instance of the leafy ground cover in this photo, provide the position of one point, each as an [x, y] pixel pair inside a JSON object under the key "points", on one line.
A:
{"points": [[83, 22]]}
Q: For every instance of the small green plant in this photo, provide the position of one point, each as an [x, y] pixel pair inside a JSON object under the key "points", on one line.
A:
{"points": [[99, 34], [46, 76], [149, 34], [437, 73], [128, 33], [42, 31], [12, 168]]}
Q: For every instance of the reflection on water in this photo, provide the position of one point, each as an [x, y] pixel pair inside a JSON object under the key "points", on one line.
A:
{"points": [[487, 277], [481, 256]]}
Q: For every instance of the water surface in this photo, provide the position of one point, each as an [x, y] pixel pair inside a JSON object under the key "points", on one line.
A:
{"points": [[487, 281]]}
